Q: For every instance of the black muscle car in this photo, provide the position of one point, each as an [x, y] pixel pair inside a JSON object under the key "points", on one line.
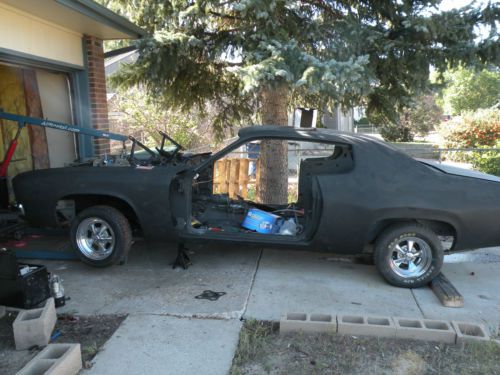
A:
{"points": [[362, 196]]}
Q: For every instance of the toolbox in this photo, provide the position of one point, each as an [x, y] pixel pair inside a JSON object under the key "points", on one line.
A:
{"points": [[22, 285]]}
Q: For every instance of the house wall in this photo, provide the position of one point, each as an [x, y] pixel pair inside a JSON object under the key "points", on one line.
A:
{"points": [[22, 32]]}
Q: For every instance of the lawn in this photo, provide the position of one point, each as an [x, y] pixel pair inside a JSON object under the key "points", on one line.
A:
{"points": [[261, 350]]}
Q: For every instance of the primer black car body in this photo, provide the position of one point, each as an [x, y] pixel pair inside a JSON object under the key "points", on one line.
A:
{"points": [[355, 197]]}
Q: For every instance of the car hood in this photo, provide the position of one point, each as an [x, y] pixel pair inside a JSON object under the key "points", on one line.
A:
{"points": [[460, 171]]}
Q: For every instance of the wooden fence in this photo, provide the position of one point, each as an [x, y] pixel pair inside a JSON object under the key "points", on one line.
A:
{"points": [[232, 176]]}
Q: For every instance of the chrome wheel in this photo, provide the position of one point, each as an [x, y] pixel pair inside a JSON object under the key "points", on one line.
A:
{"points": [[410, 257], [95, 238]]}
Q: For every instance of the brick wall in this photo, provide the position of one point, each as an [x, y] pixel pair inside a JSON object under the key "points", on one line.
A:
{"points": [[97, 89]]}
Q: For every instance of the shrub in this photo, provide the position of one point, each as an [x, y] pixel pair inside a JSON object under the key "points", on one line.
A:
{"points": [[472, 129], [417, 119], [487, 161]]}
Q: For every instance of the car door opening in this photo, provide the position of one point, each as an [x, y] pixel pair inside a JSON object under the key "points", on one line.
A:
{"points": [[224, 193]]}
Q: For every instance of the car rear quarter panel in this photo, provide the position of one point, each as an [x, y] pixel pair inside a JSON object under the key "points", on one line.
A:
{"points": [[386, 185]]}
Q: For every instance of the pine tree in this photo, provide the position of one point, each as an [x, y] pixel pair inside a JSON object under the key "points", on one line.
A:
{"points": [[271, 54]]}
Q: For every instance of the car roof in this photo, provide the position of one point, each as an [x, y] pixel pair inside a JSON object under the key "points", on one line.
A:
{"points": [[307, 134]]}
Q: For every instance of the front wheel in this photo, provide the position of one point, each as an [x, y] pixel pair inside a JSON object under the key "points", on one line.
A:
{"points": [[408, 255], [101, 236]]}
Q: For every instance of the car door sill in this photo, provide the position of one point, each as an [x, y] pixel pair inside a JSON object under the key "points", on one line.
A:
{"points": [[249, 238]]}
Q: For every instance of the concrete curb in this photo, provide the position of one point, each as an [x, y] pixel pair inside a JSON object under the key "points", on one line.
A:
{"points": [[311, 323], [34, 327], [55, 359], [385, 326]]}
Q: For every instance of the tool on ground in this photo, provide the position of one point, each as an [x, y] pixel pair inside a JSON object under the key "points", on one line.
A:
{"points": [[210, 295]]}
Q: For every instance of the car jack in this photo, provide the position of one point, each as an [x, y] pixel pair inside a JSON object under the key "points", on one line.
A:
{"points": [[182, 260]]}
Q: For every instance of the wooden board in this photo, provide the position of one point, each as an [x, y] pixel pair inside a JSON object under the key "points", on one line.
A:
{"points": [[37, 136], [231, 176], [446, 292]]}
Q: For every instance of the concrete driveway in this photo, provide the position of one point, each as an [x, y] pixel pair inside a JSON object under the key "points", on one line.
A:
{"points": [[169, 331]]}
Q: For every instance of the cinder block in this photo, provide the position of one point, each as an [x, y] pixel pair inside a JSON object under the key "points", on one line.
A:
{"points": [[409, 328], [380, 326], [309, 323], [55, 359], [467, 332], [34, 327], [425, 329], [350, 324], [439, 330]]}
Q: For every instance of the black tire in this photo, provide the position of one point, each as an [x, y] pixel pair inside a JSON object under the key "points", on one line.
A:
{"points": [[116, 227], [387, 255]]}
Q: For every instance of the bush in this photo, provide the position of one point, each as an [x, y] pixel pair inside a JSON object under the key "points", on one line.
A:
{"points": [[417, 119], [392, 132], [472, 129], [487, 161]]}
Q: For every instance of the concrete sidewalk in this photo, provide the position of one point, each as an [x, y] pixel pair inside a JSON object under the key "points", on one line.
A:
{"points": [[157, 345]]}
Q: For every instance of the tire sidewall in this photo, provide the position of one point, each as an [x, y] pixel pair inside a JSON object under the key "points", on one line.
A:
{"points": [[383, 254], [112, 217]]}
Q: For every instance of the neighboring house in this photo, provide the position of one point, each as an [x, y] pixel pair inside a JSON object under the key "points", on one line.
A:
{"points": [[341, 119], [52, 66], [338, 120]]}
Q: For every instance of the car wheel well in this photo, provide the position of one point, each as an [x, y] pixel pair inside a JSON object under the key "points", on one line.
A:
{"points": [[440, 228], [70, 206]]}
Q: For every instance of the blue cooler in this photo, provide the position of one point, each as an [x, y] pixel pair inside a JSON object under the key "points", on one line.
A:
{"points": [[261, 221]]}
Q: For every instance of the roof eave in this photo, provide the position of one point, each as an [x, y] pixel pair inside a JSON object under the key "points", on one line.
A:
{"points": [[102, 14]]}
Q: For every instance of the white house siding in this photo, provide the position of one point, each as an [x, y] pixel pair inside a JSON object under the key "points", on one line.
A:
{"points": [[23, 32]]}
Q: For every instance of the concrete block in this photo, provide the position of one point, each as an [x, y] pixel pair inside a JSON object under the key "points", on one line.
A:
{"points": [[350, 324], [467, 332], [361, 325], [309, 323], [55, 359], [439, 330], [380, 326], [425, 329], [34, 327], [409, 328]]}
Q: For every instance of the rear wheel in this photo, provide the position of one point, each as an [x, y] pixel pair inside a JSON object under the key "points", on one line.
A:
{"points": [[408, 255], [101, 236]]}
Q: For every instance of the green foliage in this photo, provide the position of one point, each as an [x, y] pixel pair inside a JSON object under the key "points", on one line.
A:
{"points": [[370, 52], [143, 118], [472, 129], [487, 161], [469, 90], [362, 121], [418, 119]]}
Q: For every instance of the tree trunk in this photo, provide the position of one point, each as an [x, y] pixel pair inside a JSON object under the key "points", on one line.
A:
{"points": [[273, 181]]}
